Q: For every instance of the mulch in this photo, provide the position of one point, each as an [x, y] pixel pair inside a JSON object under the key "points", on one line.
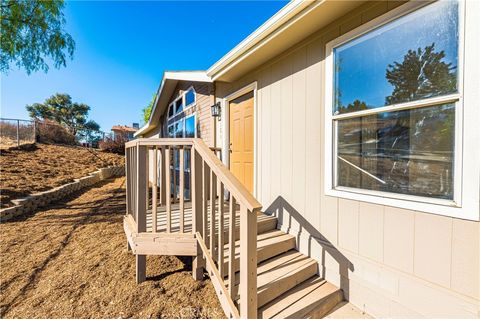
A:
{"points": [[70, 260]]}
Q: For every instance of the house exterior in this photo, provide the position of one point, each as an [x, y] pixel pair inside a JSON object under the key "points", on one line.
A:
{"points": [[355, 124], [124, 132]]}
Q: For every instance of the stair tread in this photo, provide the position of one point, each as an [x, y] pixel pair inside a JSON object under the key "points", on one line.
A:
{"points": [[265, 241], [315, 295], [281, 273]]}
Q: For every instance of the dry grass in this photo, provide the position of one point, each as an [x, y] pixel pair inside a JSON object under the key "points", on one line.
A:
{"points": [[36, 168], [70, 261]]}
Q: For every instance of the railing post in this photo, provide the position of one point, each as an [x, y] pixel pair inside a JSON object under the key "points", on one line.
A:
{"points": [[18, 132], [197, 210], [141, 207], [248, 263]]}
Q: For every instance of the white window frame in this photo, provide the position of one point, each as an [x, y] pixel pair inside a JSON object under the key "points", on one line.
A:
{"points": [[465, 203]]}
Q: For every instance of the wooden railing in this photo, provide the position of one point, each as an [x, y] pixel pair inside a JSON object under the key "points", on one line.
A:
{"points": [[218, 201]]}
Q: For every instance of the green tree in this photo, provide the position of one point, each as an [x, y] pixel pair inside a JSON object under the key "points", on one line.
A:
{"points": [[148, 110], [421, 74], [356, 105], [90, 132], [61, 109], [32, 32]]}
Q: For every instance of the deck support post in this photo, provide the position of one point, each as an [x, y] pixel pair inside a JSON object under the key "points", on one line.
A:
{"points": [[141, 268], [141, 208], [198, 262]]}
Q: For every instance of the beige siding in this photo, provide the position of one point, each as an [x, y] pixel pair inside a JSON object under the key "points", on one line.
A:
{"points": [[389, 261]]}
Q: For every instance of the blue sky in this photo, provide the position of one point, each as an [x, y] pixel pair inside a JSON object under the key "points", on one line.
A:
{"points": [[122, 49]]}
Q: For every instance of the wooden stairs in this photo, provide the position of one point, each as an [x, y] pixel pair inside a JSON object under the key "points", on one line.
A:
{"points": [[288, 285], [254, 267]]}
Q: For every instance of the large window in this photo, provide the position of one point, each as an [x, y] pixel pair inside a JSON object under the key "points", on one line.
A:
{"points": [[394, 101], [181, 115]]}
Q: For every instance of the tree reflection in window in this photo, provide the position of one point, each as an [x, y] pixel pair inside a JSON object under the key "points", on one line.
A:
{"points": [[409, 151]]}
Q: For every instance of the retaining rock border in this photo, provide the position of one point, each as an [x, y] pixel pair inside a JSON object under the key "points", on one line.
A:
{"points": [[28, 204]]}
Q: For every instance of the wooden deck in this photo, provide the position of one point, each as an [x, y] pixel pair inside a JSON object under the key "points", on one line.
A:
{"points": [[180, 243]]}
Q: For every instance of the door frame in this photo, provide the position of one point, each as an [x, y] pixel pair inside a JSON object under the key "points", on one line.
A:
{"points": [[252, 87]]}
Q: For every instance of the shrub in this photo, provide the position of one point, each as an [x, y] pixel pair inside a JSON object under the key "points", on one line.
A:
{"points": [[54, 133], [111, 145]]}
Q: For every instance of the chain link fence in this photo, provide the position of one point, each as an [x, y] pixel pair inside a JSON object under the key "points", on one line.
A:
{"points": [[15, 132]]}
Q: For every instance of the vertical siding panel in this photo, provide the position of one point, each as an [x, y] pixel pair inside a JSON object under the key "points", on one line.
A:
{"points": [[286, 137], [265, 129], [298, 94], [258, 131], [275, 133], [313, 133], [328, 205]]}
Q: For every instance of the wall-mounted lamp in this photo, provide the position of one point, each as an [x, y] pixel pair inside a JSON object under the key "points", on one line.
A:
{"points": [[216, 109]]}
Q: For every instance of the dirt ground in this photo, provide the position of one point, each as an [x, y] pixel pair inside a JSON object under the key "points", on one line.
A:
{"points": [[70, 261], [40, 167]]}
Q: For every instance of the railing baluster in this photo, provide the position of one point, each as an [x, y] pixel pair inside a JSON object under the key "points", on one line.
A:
{"points": [[181, 189], [147, 174], [213, 195], [168, 190], [221, 228], [154, 190], [205, 185], [231, 250], [174, 174], [162, 177]]}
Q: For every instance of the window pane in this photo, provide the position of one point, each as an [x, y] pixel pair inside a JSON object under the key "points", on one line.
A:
{"points": [[179, 128], [170, 111], [411, 58], [178, 106], [407, 152], [190, 126], [189, 97], [171, 131]]}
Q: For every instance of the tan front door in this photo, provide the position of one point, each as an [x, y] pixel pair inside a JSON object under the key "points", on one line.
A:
{"points": [[241, 139]]}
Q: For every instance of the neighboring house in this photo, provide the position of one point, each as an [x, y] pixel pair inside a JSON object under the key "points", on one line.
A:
{"points": [[124, 132], [355, 124]]}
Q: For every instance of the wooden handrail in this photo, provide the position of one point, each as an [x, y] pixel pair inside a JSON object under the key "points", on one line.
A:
{"points": [[208, 180], [240, 192]]}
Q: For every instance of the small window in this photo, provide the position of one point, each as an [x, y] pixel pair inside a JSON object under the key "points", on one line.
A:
{"points": [[393, 103], [189, 97], [178, 105], [170, 111]]}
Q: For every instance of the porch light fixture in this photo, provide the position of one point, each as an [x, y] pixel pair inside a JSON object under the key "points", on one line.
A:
{"points": [[216, 109]]}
